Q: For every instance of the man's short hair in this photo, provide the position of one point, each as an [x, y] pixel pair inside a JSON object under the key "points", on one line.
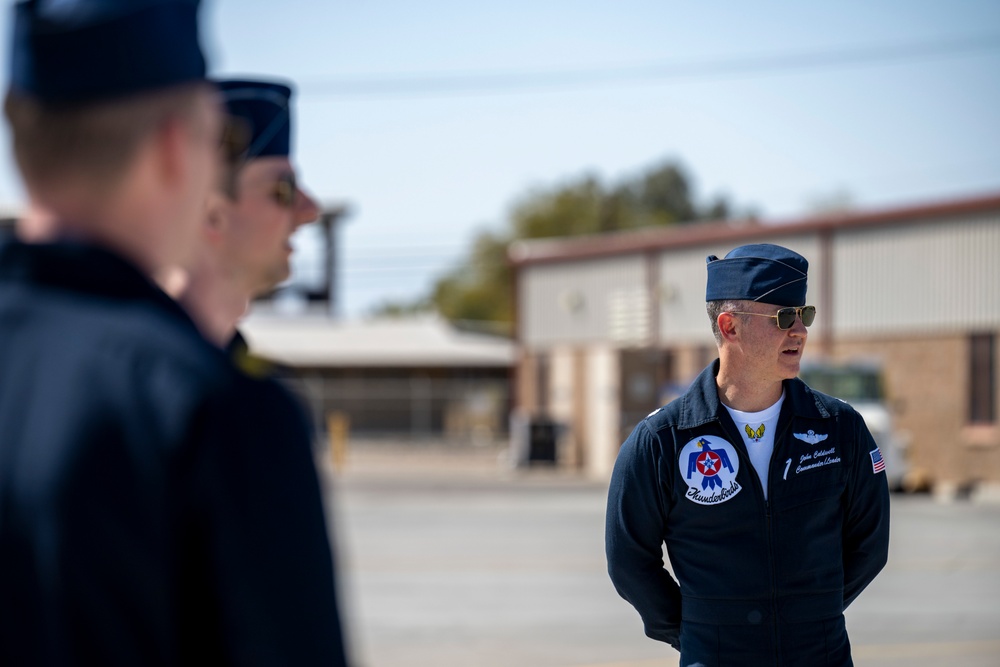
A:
{"points": [[95, 142], [716, 308]]}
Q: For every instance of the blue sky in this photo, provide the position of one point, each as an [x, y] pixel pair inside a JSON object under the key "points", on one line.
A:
{"points": [[424, 171]]}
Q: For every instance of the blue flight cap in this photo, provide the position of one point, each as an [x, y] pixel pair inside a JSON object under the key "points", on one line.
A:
{"points": [[759, 272], [79, 51], [263, 108]]}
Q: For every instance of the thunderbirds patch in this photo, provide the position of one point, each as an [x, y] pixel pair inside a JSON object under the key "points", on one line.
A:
{"points": [[709, 465]]}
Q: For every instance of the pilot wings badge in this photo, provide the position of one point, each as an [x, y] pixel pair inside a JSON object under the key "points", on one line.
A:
{"points": [[811, 437]]}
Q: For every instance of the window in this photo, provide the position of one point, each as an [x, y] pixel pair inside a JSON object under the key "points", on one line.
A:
{"points": [[982, 379]]}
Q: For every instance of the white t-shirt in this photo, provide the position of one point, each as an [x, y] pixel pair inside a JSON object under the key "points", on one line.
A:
{"points": [[758, 430]]}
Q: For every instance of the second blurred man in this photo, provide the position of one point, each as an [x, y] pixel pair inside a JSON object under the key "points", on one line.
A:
{"points": [[249, 223]]}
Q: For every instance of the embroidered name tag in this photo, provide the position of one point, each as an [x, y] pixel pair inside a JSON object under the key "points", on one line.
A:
{"points": [[817, 459], [709, 465]]}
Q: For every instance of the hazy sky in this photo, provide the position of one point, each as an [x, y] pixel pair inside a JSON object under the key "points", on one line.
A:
{"points": [[776, 105]]}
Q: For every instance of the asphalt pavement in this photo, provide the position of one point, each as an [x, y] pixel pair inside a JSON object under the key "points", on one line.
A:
{"points": [[449, 558]]}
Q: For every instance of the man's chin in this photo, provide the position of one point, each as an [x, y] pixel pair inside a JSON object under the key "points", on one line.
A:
{"points": [[271, 282], [790, 368]]}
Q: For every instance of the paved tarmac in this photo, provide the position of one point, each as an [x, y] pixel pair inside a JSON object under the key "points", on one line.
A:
{"points": [[450, 559]]}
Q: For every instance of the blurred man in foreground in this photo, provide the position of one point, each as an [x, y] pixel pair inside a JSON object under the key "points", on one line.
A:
{"points": [[771, 497], [251, 218], [146, 516]]}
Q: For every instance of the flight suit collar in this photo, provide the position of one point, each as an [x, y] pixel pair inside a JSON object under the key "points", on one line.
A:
{"points": [[701, 403], [82, 269]]}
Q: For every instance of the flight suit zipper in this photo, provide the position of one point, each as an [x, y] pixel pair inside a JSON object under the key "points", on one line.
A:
{"points": [[776, 635], [748, 464]]}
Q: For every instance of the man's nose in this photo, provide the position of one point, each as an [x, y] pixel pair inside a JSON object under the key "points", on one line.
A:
{"points": [[798, 328], [306, 208]]}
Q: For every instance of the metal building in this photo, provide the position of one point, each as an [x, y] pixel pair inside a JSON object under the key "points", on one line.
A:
{"points": [[611, 326], [413, 378]]}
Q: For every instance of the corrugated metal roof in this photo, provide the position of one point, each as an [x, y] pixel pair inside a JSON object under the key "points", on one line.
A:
{"points": [[417, 342], [538, 251]]}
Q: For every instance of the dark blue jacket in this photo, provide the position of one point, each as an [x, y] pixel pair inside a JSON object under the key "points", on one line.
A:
{"points": [[157, 507], [757, 582]]}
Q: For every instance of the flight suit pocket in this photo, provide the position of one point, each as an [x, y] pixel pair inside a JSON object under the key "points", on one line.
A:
{"points": [[707, 645], [815, 644]]}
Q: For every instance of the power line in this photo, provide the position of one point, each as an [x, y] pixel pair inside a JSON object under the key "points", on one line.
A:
{"points": [[457, 83], [359, 252], [378, 267]]}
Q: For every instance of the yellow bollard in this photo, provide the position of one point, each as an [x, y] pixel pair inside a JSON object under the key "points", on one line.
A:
{"points": [[338, 425]]}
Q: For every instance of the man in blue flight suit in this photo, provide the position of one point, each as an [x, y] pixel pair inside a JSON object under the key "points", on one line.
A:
{"points": [[148, 514], [250, 219], [771, 549]]}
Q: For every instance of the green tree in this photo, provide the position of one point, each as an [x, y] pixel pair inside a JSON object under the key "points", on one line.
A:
{"points": [[572, 209], [479, 289]]}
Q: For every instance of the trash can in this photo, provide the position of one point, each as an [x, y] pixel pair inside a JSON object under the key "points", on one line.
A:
{"points": [[542, 441]]}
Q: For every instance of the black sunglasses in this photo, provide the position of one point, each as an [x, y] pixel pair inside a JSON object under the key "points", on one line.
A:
{"points": [[785, 317]]}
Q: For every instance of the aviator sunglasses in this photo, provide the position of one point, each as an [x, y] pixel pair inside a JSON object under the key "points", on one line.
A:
{"points": [[785, 317], [285, 190]]}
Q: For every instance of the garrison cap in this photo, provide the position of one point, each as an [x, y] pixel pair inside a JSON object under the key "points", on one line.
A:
{"points": [[70, 52], [758, 272], [262, 110]]}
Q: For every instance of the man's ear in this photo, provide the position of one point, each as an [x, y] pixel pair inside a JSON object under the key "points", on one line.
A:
{"points": [[728, 326], [172, 144]]}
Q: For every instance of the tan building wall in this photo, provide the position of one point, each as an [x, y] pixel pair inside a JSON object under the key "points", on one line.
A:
{"points": [[526, 397], [927, 383], [601, 427], [565, 404]]}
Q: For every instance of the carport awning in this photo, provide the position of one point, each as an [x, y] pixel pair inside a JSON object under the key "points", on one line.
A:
{"points": [[316, 341]]}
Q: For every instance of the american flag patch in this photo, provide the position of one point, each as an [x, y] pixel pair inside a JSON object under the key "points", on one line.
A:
{"points": [[878, 464]]}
